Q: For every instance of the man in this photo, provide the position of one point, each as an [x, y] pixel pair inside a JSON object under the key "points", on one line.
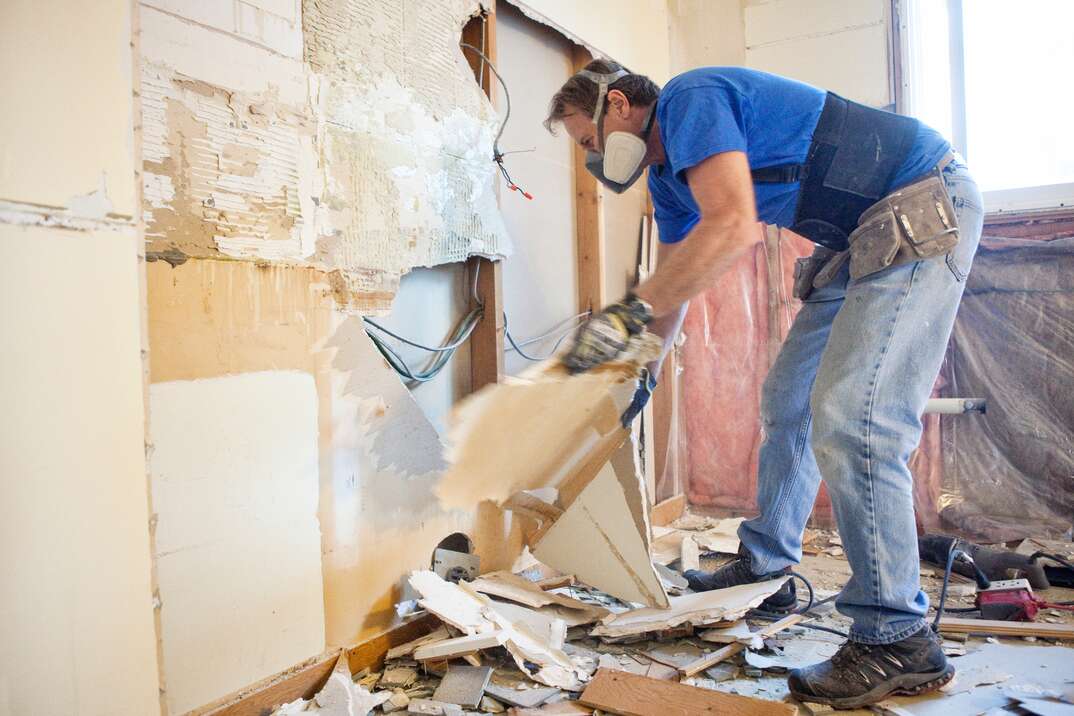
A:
{"points": [[896, 218]]}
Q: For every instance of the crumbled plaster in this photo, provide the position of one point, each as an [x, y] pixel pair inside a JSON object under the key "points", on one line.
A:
{"points": [[385, 165]]}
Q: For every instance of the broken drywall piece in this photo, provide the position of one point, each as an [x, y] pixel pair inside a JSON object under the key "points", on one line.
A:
{"points": [[472, 612], [451, 604], [459, 646], [571, 425], [690, 555], [463, 685], [697, 609], [521, 590], [544, 624], [616, 558], [440, 634], [737, 632], [340, 696]]}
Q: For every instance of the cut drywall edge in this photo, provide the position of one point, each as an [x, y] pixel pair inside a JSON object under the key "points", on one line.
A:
{"points": [[541, 18]]}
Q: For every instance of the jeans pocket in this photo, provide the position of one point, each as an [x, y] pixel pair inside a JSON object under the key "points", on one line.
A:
{"points": [[952, 264]]}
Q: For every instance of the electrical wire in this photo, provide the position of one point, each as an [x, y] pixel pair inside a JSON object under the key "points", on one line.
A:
{"points": [[497, 153], [443, 353], [561, 335], [506, 96]]}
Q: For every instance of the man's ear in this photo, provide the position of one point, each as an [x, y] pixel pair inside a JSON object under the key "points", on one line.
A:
{"points": [[619, 102]]}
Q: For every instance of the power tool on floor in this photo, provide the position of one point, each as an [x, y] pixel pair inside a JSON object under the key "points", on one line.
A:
{"points": [[997, 599]]}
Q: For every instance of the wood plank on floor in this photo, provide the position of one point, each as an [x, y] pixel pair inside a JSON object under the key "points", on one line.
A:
{"points": [[952, 625], [627, 694]]}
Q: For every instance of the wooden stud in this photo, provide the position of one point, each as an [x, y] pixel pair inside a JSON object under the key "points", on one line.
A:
{"points": [[589, 224], [486, 342], [666, 512]]}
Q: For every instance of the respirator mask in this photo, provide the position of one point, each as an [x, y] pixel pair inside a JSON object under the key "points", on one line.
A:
{"points": [[621, 163]]}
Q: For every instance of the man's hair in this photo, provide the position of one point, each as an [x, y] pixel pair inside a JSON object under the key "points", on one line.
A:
{"points": [[580, 93]]}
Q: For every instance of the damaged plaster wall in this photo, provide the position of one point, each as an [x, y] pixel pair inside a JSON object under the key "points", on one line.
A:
{"points": [[215, 322], [345, 135]]}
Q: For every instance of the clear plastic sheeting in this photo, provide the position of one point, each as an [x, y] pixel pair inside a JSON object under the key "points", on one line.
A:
{"points": [[1010, 473], [733, 332], [995, 477]]}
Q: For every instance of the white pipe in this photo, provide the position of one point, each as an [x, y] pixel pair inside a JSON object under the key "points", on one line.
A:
{"points": [[955, 406]]}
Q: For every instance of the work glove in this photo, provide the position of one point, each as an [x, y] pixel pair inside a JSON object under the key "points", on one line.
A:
{"points": [[607, 334], [646, 386]]}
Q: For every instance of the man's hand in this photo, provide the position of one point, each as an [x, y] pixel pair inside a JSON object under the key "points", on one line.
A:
{"points": [[606, 335]]}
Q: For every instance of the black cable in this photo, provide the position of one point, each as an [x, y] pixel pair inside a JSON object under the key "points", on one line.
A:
{"points": [[808, 586], [773, 616], [1054, 557], [952, 552]]}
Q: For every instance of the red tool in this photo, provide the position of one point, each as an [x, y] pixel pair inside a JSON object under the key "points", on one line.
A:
{"points": [[1012, 600]]}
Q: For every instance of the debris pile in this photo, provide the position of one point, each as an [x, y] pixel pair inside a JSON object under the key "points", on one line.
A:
{"points": [[530, 644]]}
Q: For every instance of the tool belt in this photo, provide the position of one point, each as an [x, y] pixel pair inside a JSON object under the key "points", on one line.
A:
{"points": [[913, 223]]}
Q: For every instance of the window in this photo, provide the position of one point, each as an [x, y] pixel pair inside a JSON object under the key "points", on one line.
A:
{"points": [[992, 76]]}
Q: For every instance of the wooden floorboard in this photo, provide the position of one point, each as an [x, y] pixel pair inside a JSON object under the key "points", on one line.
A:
{"points": [[620, 692]]}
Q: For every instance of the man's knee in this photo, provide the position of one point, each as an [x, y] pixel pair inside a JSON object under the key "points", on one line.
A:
{"points": [[782, 401], [834, 432]]}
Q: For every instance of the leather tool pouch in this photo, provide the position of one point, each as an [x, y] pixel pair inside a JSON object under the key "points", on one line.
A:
{"points": [[914, 223]]}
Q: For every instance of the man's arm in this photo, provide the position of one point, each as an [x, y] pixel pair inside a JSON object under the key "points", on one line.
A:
{"points": [[723, 190]]}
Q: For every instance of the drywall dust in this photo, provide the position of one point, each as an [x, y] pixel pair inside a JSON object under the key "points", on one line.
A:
{"points": [[385, 164]]}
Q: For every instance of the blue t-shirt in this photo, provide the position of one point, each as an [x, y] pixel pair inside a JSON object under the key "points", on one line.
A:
{"points": [[722, 109]]}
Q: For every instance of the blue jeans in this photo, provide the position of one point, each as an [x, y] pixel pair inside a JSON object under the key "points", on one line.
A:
{"points": [[843, 402]]}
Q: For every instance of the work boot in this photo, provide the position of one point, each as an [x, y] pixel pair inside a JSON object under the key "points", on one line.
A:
{"points": [[739, 572], [861, 674]]}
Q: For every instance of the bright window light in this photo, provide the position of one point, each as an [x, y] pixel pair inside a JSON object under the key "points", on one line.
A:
{"points": [[1018, 131]]}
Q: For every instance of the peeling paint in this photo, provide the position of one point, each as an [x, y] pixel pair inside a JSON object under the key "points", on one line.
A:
{"points": [[21, 214]]}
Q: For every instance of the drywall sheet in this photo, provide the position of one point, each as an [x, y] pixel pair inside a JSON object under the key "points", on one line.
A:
{"points": [[234, 470], [542, 229], [605, 517], [366, 155], [838, 46], [74, 524], [66, 90]]}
